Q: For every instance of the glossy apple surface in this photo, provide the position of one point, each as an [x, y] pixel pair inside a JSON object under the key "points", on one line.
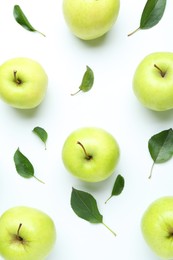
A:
{"points": [[102, 154], [23, 83], [90, 19], [157, 227], [33, 240], [153, 81]]}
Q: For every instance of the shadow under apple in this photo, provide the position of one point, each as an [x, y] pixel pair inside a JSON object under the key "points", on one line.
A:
{"points": [[100, 41], [25, 113]]}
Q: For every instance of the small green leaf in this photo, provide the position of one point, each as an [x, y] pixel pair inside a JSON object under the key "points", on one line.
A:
{"points": [[23, 166], [41, 133], [161, 147], [22, 19], [152, 14], [87, 81], [85, 207], [118, 187]]}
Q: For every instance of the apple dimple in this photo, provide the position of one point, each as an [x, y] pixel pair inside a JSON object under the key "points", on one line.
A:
{"points": [[170, 232], [18, 239]]}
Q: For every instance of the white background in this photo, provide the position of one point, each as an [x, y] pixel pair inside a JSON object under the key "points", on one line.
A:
{"points": [[110, 104]]}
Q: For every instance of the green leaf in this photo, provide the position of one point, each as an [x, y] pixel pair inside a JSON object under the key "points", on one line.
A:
{"points": [[152, 14], [160, 147], [87, 81], [85, 207], [23, 166], [22, 19], [41, 133], [118, 187]]}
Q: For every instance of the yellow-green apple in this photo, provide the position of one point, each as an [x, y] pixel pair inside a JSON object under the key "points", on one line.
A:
{"points": [[23, 83], [153, 81], [157, 227], [90, 154], [90, 19], [26, 234]]}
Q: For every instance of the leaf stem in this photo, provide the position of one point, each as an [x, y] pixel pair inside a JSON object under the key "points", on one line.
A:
{"points": [[39, 179], [73, 94], [151, 171], [41, 33], [109, 229], [133, 32], [108, 199]]}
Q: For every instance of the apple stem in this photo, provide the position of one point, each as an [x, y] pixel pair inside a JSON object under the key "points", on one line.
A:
{"points": [[73, 94], [18, 81], [109, 229], [87, 156], [162, 73], [39, 180], [18, 231], [151, 171], [133, 32]]}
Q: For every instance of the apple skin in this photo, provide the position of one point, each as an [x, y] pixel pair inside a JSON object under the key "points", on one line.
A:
{"points": [[32, 89], [157, 227], [38, 231], [99, 144], [152, 90], [90, 19]]}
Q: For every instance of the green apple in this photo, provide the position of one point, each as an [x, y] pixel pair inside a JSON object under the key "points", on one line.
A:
{"points": [[157, 227], [153, 81], [90, 19], [23, 83], [26, 234], [90, 154]]}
